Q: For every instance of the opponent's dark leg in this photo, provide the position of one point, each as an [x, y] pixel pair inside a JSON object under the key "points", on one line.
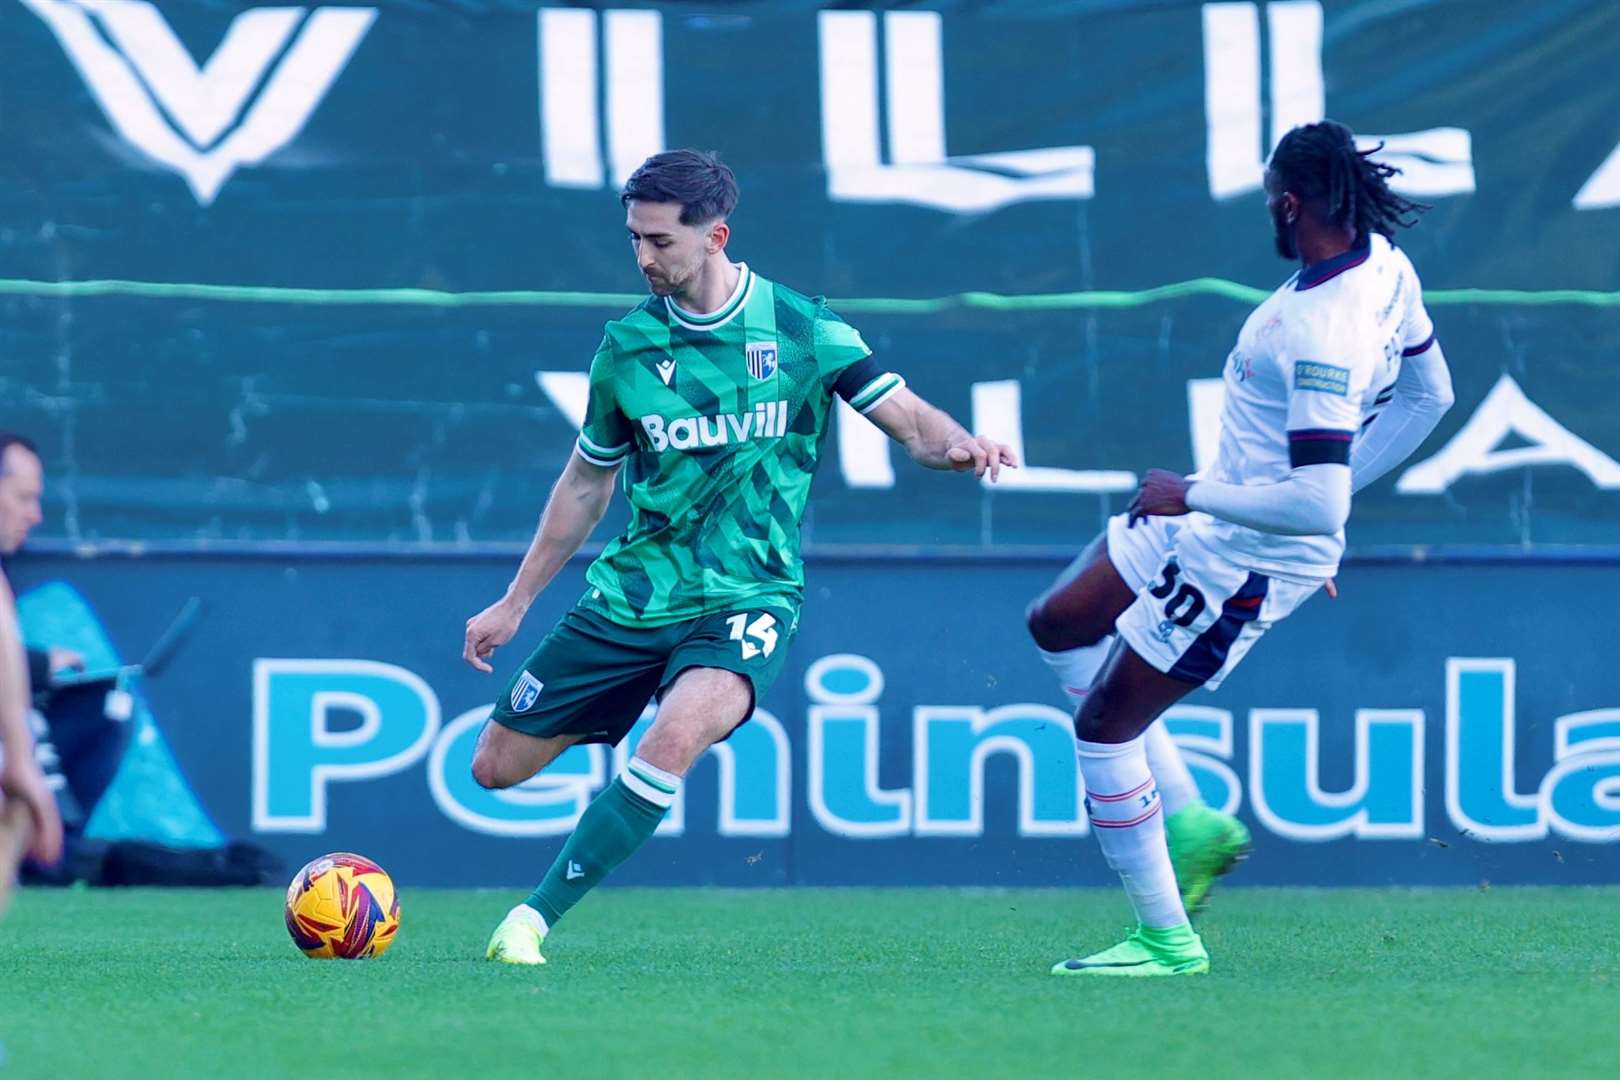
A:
{"points": [[1072, 623]]}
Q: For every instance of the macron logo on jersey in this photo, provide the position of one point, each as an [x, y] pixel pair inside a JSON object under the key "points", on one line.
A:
{"points": [[768, 420]]}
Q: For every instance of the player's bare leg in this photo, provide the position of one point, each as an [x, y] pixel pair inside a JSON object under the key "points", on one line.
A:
{"points": [[700, 708], [16, 832], [1072, 623], [1080, 607], [504, 756], [1125, 808]]}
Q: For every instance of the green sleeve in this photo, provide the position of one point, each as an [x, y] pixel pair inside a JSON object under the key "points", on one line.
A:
{"points": [[605, 437], [838, 345], [847, 367]]}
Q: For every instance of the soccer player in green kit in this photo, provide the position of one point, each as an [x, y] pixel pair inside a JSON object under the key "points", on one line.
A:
{"points": [[714, 395]]}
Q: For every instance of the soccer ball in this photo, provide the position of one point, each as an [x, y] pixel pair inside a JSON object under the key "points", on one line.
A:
{"points": [[344, 906]]}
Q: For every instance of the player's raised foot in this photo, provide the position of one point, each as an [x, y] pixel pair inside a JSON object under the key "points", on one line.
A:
{"points": [[1204, 844], [1145, 952], [517, 940]]}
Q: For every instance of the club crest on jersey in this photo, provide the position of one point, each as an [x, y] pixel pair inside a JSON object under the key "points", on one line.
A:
{"points": [[525, 692], [761, 358]]}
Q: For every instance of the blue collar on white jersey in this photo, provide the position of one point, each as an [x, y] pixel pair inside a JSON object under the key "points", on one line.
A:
{"points": [[1316, 273]]}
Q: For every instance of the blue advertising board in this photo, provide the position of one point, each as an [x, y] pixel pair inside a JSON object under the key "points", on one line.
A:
{"points": [[1433, 725]]}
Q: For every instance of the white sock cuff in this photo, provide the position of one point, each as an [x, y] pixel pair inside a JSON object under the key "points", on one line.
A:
{"points": [[1111, 749], [1120, 789], [1076, 669], [650, 782]]}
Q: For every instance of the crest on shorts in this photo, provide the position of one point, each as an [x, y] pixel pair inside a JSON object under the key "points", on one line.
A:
{"points": [[525, 692], [761, 358]]}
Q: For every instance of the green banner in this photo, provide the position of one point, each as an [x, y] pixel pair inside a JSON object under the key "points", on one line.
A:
{"points": [[335, 273]]}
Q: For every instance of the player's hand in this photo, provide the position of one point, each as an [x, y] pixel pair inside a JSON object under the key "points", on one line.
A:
{"points": [[1162, 494], [489, 630], [1332, 589], [982, 455], [64, 659], [21, 780]]}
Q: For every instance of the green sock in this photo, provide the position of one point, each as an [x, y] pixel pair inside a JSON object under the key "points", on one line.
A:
{"points": [[617, 822]]}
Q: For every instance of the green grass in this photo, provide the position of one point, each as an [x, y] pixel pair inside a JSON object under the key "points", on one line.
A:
{"points": [[839, 983]]}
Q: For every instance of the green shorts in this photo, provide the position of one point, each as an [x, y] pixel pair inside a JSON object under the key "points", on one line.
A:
{"points": [[593, 677]]}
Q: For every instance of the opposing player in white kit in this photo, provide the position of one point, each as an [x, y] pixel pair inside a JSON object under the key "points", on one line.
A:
{"points": [[1336, 378]]}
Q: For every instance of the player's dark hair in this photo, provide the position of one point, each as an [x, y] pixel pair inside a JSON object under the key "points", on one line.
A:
{"points": [[8, 439], [704, 185], [1320, 163]]}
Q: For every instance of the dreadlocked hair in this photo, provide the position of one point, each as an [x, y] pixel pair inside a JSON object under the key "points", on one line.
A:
{"points": [[1319, 162]]}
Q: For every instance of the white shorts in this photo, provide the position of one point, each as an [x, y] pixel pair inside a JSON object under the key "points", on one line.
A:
{"points": [[1196, 614]]}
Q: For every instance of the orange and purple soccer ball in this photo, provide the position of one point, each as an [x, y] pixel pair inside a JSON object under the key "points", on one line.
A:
{"points": [[342, 906]]}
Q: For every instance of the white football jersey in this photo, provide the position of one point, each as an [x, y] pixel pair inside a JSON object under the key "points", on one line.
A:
{"points": [[1313, 366]]}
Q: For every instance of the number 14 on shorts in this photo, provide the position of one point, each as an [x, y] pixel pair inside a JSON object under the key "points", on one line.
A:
{"points": [[757, 638]]}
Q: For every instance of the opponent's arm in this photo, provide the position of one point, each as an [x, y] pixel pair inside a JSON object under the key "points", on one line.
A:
{"points": [[934, 440], [1312, 500], [20, 777], [578, 501], [1422, 396]]}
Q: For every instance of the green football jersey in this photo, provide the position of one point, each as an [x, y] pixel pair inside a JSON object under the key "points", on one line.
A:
{"points": [[718, 420]]}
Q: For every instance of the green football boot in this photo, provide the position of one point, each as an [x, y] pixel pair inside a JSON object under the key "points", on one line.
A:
{"points": [[517, 940], [1146, 952], [1204, 844]]}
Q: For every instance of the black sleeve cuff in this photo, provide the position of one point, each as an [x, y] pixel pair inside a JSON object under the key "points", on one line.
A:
{"points": [[853, 379], [1319, 446]]}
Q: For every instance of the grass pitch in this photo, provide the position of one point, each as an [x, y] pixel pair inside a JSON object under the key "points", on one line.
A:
{"points": [[816, 982]]}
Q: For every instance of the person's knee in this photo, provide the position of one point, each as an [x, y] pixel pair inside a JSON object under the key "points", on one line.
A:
{"points": [[701, 709], [687, 735], [488, 774], [1056, 632], [1099, 716]]}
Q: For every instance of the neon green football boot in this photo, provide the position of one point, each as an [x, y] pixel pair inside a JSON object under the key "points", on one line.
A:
{"points": [[1204, 844], [517, 940], [1145, 952]]}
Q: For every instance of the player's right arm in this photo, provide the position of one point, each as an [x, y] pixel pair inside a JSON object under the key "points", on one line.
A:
{"points": [[578, 500], [20, 777]]}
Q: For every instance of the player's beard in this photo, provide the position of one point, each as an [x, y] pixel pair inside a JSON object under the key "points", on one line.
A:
{"points": [[676, 280], [1287, 246]]}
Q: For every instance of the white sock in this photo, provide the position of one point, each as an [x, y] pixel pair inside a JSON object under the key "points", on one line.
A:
{"points": [[1076, 669], [527, 914], [1126, 814], [1176, 785]]}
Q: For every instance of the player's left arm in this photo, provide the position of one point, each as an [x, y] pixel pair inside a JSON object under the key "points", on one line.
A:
{"points": [[930, 436], [935, 441], [1422, 396]]}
